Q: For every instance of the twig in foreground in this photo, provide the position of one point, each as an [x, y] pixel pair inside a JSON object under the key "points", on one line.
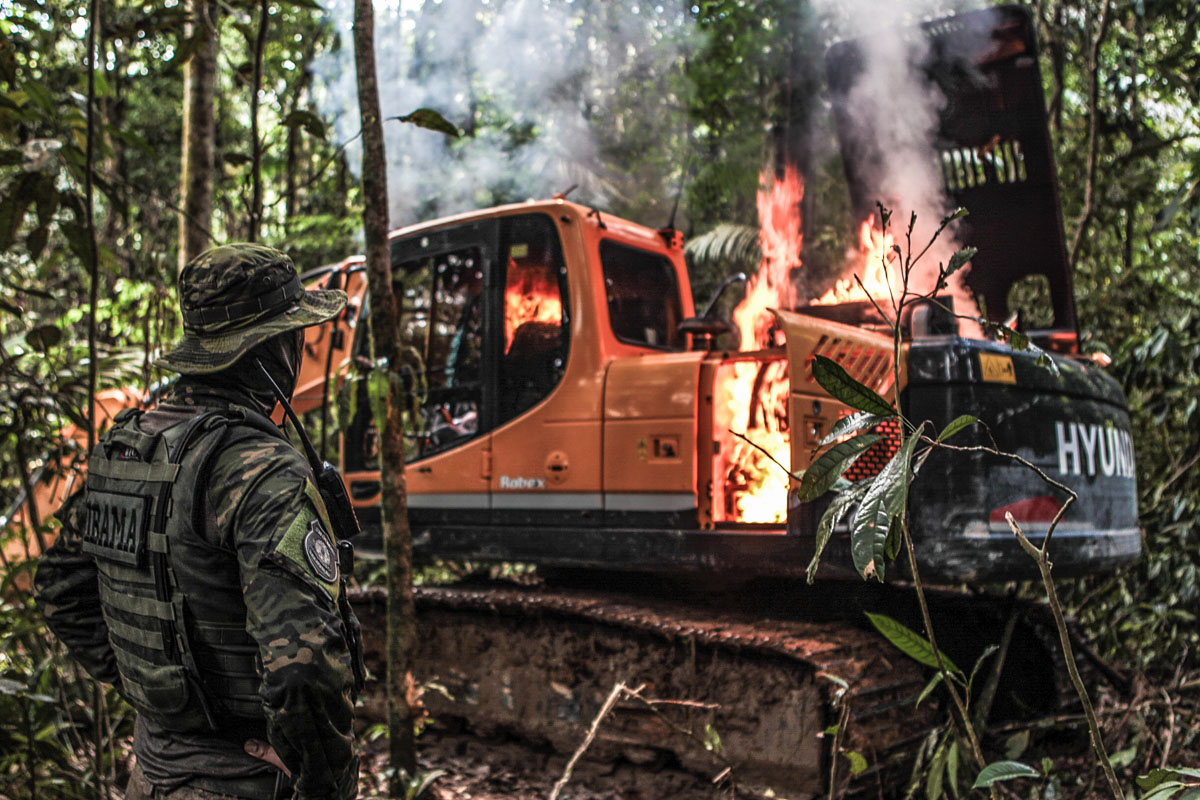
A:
{"points": [[613, 696]]}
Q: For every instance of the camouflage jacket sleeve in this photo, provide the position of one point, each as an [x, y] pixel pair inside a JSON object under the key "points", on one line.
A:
{"points": [[67, 589], [269, 512]]}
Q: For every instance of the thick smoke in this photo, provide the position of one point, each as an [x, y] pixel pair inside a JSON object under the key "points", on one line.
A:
{"points": [[534, 73], [892, 105]]}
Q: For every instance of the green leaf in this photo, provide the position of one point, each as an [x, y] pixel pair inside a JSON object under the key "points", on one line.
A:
{"points": [[1003, 771], [40, 95], [712, 740], [960, 258], [829, 520], [992, 648], [420, 783], [929, 687], [853, 423], [952, 767], [895, 539], [956, 425], [307, 120], [1016, 744], [882, 503], [1122, 758], [1158, 776], [1166, 791], [909, 642], [43, 337], [830, 465], [957, 213], [937, 769], [431, 120], [103, 87], [835, 380], [858, 764], [309, 4]]}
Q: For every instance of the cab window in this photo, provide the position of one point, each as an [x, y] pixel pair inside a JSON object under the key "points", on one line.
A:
{"points": [[536, 330], [442, 321], [644, 307]]}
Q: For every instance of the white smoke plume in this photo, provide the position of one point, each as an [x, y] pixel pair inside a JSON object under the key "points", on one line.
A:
{"points": [[893, 103], [539, 78]]}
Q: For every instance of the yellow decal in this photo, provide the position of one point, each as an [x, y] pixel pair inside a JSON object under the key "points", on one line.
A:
{"points": [[641, 449], [997, 368]]}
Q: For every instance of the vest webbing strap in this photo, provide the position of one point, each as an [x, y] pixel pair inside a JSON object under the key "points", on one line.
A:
{"points": [[150, 639], [208, 633], [132, 470], [134, 690], [135, 604], [158, 542], [121, 577]]}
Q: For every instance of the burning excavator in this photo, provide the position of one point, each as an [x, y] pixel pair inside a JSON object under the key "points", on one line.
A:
{"points": [[571, 409], [575, 411]]}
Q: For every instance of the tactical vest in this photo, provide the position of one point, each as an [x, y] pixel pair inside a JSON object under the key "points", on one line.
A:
{"points": [[172, 598]]}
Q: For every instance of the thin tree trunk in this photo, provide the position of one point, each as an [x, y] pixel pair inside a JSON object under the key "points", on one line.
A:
{"points": [[199, 134], [1089, 190], [256, 198], [93, 264], [291, 195], [385, 331]]}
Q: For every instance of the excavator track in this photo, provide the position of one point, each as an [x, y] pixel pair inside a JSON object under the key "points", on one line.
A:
{"points": [[540, 662]]}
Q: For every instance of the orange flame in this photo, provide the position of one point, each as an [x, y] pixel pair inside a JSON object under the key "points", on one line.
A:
{"points": [[530, 295], [751, 395], [875, 262]]}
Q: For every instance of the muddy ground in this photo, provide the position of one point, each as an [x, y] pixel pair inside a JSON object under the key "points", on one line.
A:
{"points": [[495, 767]]}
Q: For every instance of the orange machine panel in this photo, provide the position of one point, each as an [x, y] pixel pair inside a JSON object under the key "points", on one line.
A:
{"points": [[650, 407]]}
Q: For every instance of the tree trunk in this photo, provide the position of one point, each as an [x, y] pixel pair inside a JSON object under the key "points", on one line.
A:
{"points": [[256, 198], [199, 133], [385, 331]]}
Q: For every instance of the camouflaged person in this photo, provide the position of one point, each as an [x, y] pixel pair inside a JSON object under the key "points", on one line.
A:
{"points": [[196, 570]]}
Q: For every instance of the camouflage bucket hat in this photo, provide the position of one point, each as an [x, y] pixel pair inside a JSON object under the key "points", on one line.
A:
{"points": [[235, 296]]}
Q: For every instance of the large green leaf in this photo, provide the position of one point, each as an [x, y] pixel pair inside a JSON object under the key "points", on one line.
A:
{"points": [[430, 120], [307, 120], [956, 425], [841, 386], [1158, 776], [830, 465], [881, 504], [854, 423], [1003, 771], [909, 642], [829, 520], [858, 764], [724, 246]]}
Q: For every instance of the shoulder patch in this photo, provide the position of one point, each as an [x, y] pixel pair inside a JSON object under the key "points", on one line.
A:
{"points": [[319, 551], [308, 552]]}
